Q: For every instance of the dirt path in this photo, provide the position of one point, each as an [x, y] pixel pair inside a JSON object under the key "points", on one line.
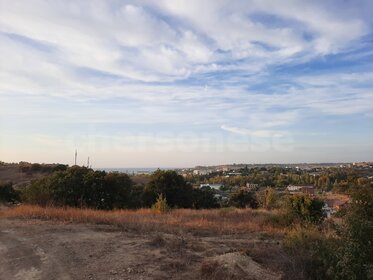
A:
{"points": [[22, 259], [44, 250]]}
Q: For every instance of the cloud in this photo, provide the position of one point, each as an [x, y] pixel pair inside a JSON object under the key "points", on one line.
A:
{"points": [[262, 68], [253, 133], [171, 40]]}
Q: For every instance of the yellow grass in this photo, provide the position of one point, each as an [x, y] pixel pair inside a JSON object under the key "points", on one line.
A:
{"points": [[224, 221]]}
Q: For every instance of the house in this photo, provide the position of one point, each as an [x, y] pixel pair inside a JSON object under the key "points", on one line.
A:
{"points": [[301, 189], [294, 189], [308, 190], [202, 171], [212, 186], [251, 186], [234, 174], [332, 206]]}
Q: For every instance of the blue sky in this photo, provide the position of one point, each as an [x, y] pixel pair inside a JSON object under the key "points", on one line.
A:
{"points": [[186, 82]]}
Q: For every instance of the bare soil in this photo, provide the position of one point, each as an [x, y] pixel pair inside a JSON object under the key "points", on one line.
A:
{"points": [[35, 249]]}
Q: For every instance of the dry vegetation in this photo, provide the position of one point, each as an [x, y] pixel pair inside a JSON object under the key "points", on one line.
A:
{"points": [[224, 221]]}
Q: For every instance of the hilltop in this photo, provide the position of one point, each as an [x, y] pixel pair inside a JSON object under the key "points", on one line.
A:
{"points": [[23, 172]]}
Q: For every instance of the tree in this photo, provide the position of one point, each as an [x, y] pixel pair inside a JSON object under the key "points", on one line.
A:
{"points": [[172, 185], [306, 208], [204, 198], [161, 204], [8, 193], [269, 198], [243, 199], [355, 249], [81, 187]]}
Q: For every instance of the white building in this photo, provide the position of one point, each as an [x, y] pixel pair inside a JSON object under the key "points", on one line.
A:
{"points": [[251, 186], [212, 186], [292, 188]]}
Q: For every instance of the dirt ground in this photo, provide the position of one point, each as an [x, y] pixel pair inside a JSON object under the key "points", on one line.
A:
{"points": [[34, 249]]}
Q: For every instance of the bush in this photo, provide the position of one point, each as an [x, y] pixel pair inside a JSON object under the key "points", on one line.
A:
{"points": [[161, 204], [172, 185], [355, 253], [346, 255], [306, 208], [39, 192], [311, 254], [243, 199], [81, 187], [204, 198], [8, 193]]}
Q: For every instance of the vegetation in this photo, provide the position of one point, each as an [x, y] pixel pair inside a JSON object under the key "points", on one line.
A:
{"points": [[161, 204], [315, 247], [203, 198], [172, 185], [243, 199], [344, 253], [8, 193], [355, 249], [28, 168], [336, 179], [84, 187], [80, 187], [306, 208], [214, 221]]}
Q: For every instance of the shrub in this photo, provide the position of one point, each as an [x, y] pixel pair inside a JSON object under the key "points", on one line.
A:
{"points": [[161, 204], [306, 208], [311, 254], [81, 187], [346, 255], [8, 193], [270, 198], [172, 185], [243, 199], [355, 253], [204, 198]]}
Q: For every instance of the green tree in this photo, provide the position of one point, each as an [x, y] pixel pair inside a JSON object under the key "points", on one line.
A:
{"points": [[270, 197], [8, 193], [243, 199], [203, 198], [81, 187], [355, 251], [306, 208], [172, 185]]}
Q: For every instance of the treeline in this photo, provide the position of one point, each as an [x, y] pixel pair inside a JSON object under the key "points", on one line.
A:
{"points": [[26, 167], [84, 187], [340, 180]]}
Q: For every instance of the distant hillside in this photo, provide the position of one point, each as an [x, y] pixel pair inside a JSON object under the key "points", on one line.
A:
{"points": [[22, 173]]}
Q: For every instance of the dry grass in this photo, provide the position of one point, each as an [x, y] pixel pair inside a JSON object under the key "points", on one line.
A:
{"points": [[224, 221]]}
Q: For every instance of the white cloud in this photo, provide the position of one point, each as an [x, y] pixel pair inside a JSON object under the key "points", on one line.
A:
{"points": [[253, 133], [170, 40], [178, 62]]}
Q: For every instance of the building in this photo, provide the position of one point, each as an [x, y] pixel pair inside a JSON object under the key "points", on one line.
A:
{"points": [[306, 189], [202, 171], [294, 189], [251, 186], [212, 186]]}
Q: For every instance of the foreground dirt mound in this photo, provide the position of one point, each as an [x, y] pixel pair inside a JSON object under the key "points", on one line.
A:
{"points": [[235, 265]]}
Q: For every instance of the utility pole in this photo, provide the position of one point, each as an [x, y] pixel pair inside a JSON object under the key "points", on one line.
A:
{"points": [[76, 155], [88, 163]]}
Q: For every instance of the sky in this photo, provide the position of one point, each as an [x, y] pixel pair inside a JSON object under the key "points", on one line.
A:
{"points": [[179, 83]]}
